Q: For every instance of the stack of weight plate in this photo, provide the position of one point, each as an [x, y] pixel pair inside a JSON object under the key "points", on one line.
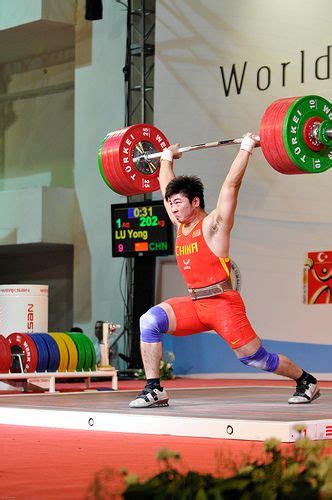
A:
{"points": [[47, 352]]}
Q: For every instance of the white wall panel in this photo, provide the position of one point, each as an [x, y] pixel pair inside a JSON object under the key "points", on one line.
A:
{"points": [[279, 218]]}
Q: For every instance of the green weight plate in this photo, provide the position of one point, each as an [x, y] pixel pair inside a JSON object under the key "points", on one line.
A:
{"points": [[88, 349], [93, 353], [299, 112], [80, 350], [88, 354], [80, 340]]}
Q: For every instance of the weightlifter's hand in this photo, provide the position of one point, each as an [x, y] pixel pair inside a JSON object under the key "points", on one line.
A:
{"points": [[170, 153], [249, 141]]}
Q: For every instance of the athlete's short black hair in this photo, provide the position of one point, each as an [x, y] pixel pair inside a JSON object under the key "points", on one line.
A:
{"points": [[188, 185]]}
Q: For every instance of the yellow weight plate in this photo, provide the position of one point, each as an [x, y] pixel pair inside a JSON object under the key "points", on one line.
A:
{"points": [[73, 355], [64, 353]]}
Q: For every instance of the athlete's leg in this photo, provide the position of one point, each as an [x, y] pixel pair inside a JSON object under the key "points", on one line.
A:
{"points": [[234, 326], [254, 354], [159, 319], [176, 316]]}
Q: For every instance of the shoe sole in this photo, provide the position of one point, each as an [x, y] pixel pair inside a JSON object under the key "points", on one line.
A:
{"points": [[315, 396], [153, 405], [159, 403]]}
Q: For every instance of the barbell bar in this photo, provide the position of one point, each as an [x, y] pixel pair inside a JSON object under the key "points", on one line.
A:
{"points": [[185, 149], [295, 138]]}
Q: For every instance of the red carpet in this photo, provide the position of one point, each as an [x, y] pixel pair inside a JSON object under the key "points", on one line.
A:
{"points": [[46, 464]]}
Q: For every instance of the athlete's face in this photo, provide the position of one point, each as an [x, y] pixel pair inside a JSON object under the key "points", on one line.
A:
{"points": [[183, 210]]}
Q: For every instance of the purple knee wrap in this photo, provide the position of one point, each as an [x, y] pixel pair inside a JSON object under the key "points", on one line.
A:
{"points": [[152, 324], [262, 360]]}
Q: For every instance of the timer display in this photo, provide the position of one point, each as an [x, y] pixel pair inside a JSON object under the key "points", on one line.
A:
{"points": [[140, 229]]}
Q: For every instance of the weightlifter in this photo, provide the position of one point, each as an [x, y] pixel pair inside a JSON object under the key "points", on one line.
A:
{"points": [[202, 253]]}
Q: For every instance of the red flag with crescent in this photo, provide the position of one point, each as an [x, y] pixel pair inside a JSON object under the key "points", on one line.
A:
{"points": [[318, 278]]}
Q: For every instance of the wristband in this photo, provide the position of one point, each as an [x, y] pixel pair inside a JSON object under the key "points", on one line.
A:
{"points": [[247, 144], [167, 154]]}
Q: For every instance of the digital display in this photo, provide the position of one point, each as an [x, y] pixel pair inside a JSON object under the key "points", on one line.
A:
{"points": [[142, 228]]}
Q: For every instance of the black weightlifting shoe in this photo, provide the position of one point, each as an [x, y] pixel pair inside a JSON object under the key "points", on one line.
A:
{"points": [[149, 397]]}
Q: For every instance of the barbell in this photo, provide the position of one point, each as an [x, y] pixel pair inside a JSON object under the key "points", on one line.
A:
{"points": [[295, 138]]}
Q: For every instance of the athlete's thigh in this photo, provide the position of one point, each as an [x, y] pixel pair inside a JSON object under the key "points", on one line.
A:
{"points": [[186, 319], [226, 315]]}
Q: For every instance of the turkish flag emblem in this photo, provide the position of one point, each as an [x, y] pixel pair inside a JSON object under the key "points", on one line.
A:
{"points": [[318, 278]]}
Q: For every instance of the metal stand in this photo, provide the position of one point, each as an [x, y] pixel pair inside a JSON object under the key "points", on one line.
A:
{"points": [[108, 330], [139, 81], [45, 381]]}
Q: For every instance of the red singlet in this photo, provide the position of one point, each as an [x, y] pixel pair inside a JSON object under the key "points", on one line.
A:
{"points": [[198, 265], [224, 313]]}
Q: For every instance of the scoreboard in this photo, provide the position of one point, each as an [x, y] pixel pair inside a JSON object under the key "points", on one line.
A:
{"points": [[140, 229]]}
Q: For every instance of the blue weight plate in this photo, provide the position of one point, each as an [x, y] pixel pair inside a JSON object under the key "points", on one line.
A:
{"points": [[54, 353], [42, 352], [44, 344], [43, 356]]}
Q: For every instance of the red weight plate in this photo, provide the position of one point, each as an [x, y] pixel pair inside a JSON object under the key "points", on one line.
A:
{"points": [[269, 127], [136, 137], [122, 182], [273, 122], [119, 181], [311, 141], [113, 156], [271, 135], [108, 172], [5, 355], [100, 163], [22, 343], [286, 165]]}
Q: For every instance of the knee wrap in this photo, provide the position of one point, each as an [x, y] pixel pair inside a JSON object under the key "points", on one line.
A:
{"points": [[152, 324], [262, 360]]}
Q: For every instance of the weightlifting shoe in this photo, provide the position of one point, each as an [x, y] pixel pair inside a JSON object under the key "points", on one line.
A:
{"points": [[305, 392], [149, 397]]}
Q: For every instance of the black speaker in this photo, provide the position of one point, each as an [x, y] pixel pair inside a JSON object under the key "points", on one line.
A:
{"points": [[93, 10]]}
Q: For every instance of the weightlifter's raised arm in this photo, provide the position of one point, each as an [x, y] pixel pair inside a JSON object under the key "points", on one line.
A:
{"points": [[166, 173], [227, 199]]}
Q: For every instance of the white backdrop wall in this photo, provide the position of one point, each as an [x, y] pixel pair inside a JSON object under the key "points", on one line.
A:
{"points": [[276, 49]]}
